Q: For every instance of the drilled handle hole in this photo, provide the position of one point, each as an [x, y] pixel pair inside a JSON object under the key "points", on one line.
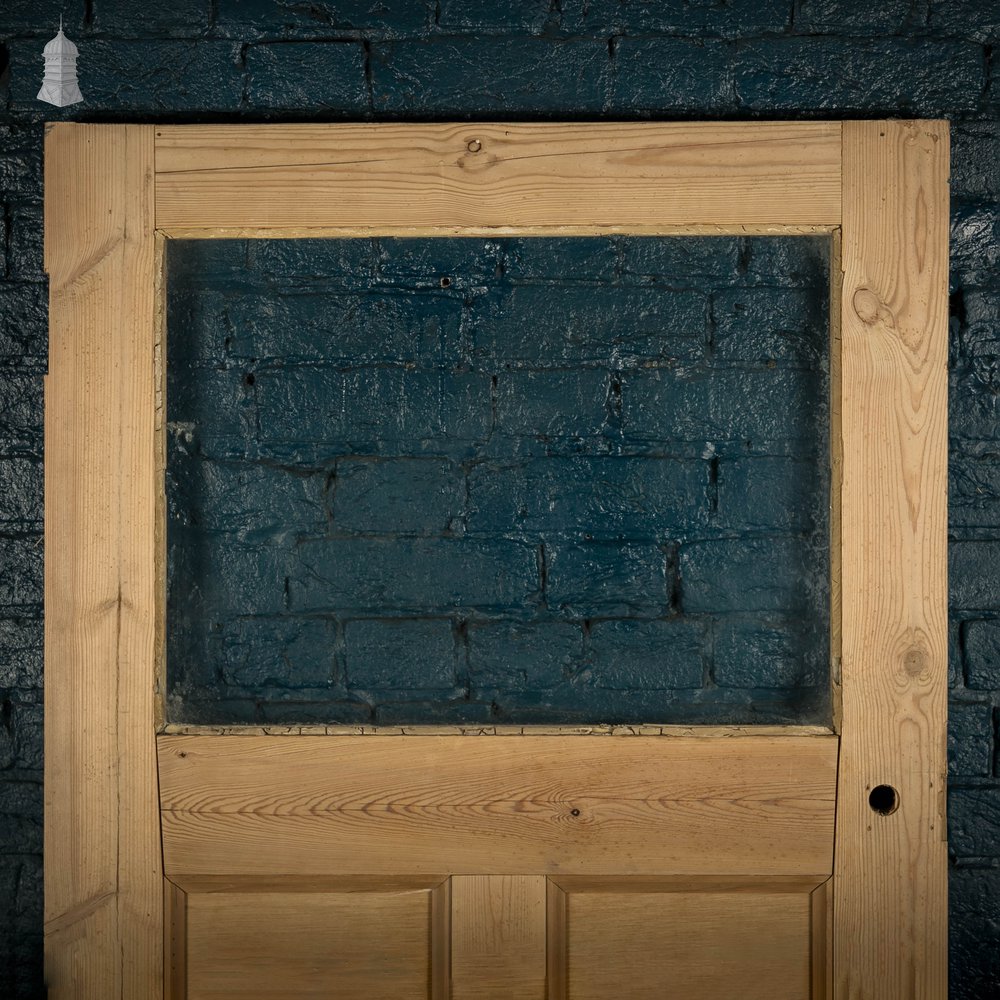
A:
{"points": [[884, 799]]}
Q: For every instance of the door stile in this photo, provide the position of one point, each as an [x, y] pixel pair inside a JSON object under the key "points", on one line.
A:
{"points": [[890, 876]]}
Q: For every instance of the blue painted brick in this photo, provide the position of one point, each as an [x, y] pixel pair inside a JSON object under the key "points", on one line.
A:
{"points": [[560, 259], [973, 491], [397, 495], [972, 574], [619, 326], [687, 262], [974, 915], [461, 77], [603, 497], [226, 393], [552, 404], [478, 18], [772, 408], [323, 326], [24, 244], [422, 574], [22, 16], [522, 657], [267, 653], [20, 652], [914, 76], [706, 17], [20, 815], [374, 410], [771, 493], [975, 244], [784, 326], [973, 817], [20, 569], [438, 263], [21, 489], [20, 156], [592, 578], [982, 654], [279, 19], [130, 19], [400, 655], [801, 262], [194, 265], [775, 574], [975, 158], [964, 18], [754, 653], [243, 497], [970, 746], [974, 403], [20, 413], [23, 731], [306, 262], [647, 655], [307, 76], [671, 74], [222, 575], [848, 17], [23, 325]]}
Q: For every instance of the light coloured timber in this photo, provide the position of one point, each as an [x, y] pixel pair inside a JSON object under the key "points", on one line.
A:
{"points": [[498, 937], [313, 946], [890, 884], [505, 178], [689, 945], [340, 805], [103, 879]]}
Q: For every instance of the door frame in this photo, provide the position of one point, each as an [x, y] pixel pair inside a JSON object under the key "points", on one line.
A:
{"points": [[114, 193]]}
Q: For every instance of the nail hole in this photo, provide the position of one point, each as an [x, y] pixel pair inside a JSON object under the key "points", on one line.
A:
{"points": [[446, 282], [249, 378], [884, 799], [574, 812]]}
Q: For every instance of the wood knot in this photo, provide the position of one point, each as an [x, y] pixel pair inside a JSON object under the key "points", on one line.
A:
{"points": [[871, 310], [474, 145], [915, 661]]}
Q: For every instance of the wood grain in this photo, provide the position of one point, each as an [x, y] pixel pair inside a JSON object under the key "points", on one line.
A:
{"points": [[272, 946], [890, 906], [689, 945], [341, 805], [483, 178], [498, 937], [103, 879], [174, 941]]}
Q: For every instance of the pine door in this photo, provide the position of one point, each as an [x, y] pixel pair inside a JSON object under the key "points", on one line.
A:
{"points": [[506, 866]]}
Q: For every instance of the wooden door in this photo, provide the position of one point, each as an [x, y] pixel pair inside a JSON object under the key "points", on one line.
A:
{"points": [[524, 866], [688, 863]]}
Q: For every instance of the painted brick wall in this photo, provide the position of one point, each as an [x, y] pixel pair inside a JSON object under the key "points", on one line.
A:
{"points": [[498, 480], [232, 60]]}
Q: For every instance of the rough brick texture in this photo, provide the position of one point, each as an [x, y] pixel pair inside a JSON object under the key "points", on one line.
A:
{"points": [[228, 60], [416, 449]]}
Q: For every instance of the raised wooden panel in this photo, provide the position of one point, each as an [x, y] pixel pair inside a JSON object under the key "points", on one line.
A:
{"points": [[588, 805], [890, 906], [369, 945], [497, 178], [498, 937], [687, 943]]}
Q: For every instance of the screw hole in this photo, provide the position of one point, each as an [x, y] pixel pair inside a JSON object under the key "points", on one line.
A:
{"points": [[884, 799]]}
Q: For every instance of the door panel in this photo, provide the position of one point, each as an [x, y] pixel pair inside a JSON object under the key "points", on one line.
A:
{"points": [[690, 942], [582, 805], [515, 868]]}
